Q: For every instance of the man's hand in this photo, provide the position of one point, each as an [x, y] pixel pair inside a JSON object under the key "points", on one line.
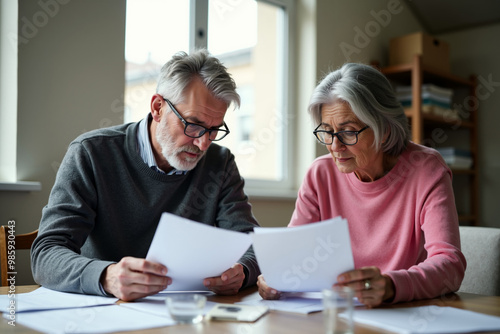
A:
{"points": [[229, 283], [133, 278]]}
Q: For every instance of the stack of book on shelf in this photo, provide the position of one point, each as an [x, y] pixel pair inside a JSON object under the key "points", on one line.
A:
{"points": [[456, 158], [435, 100]]}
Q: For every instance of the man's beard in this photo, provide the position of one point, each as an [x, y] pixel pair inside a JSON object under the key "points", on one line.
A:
{"points": [[171, 153]]}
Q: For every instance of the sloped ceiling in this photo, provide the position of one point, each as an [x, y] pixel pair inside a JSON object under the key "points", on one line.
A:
{"points": [[442, 16]]}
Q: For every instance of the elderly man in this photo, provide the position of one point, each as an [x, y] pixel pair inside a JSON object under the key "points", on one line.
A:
{"points": [[114, 184]]}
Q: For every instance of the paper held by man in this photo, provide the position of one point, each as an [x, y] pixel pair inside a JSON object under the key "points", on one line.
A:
{"points": [[308, 258], [193, 251]]}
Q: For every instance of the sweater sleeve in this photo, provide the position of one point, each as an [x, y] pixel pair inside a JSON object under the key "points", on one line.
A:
{"points": [[306, 207], [66, 222], [443, 269], [235, 213]]}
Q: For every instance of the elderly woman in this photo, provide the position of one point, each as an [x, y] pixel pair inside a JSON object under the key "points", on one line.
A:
{"points": [[396, 195]]}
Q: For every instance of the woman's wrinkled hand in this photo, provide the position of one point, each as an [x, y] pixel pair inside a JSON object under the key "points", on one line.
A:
{"points": [[369, 285], [265, 291]]}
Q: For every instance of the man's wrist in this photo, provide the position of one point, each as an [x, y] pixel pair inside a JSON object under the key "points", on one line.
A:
{"points": [[102, 279], [246, 272]]}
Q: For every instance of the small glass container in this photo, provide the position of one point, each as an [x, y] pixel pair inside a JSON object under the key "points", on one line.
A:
{"points": [[186, 308], [338, 308]]}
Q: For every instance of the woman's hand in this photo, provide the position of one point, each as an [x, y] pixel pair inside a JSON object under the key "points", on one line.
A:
{"points": [[369, 285], [229, 282], [265, 291]]}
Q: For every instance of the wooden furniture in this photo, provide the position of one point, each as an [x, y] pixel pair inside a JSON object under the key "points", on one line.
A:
{"points": [[9, 243], [433, 130], [289, 323]]}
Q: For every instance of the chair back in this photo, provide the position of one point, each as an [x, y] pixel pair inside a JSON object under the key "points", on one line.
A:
{"points": [[481, 248], [9, 242]]}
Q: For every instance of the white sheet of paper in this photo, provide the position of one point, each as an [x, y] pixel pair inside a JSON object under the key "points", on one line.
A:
{"points": [[428, 319], [292, 304], [295, 302], [46, 299], [98, 319], [193, 251], [304, 258]]}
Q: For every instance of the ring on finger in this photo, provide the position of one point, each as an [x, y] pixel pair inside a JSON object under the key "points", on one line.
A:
{"points": [[368, 284]]}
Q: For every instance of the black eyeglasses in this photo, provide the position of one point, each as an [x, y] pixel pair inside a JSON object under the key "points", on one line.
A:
{"points": [[196, 131], [345, 137]]}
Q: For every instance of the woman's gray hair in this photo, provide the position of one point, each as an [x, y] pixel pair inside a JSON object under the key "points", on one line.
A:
{"points": [[178, 72], [371, 98]]}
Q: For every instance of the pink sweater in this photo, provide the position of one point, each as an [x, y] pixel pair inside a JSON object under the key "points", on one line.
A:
{"points": [[405, 223]]}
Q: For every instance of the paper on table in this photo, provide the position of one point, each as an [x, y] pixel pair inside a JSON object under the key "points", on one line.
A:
{"points": [[427, 319], [304, 258], [46, 299], [157, 306], [193, 251], [292, 304], [295, 302], [98, 319]]}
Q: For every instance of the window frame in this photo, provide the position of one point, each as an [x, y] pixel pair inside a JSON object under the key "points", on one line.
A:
{"points": [[9, 180], [8, 93], [199, 39]]}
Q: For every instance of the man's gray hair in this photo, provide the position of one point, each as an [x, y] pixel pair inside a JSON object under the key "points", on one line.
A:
{"points": [[371, 98], [178, 72]]}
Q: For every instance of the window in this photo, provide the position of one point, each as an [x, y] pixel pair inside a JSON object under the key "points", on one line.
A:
{"points": [[8, 91], [155, 30], [252, 39], [8, 101]]}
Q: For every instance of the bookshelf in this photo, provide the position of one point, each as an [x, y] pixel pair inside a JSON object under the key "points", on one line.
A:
{"points": [[439, 130]]}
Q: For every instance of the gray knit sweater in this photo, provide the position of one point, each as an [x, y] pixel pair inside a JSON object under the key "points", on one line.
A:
{"points": [[106, 204]]}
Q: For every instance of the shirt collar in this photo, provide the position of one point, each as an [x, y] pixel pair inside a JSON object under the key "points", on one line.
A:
{"points": [[146, 152]]}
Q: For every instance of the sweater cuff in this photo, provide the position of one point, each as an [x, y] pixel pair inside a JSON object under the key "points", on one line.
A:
{"points": [[403, 289], [246, 272], [250, 267], [91, 276]]}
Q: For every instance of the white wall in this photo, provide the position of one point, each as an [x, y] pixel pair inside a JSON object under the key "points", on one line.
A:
{"points": [[70, 75]]}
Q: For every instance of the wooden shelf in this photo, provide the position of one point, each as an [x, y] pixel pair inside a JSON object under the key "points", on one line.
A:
{"points": [[463, 171], [441, 120], [402, 73], [415, 74], [468, 218]]}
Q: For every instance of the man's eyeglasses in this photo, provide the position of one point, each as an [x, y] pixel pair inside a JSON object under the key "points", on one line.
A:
{"points": [[345, 137], [196, 131]]}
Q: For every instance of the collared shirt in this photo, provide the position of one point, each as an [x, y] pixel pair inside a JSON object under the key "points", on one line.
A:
{"points": [[145, 150]]}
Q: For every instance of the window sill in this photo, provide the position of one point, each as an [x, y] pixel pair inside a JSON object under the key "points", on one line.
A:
{"points": [[21, 186], [267, 194]]}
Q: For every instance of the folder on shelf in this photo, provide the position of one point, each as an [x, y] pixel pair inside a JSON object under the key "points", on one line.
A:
{"points": [[436, 100], [456, 158]]}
